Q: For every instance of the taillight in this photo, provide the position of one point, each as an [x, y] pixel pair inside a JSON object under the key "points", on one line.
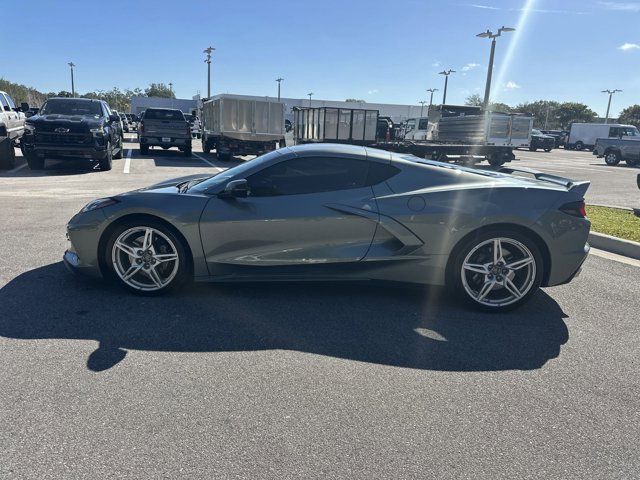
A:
{"points": [[577, 209], [141, 125]]}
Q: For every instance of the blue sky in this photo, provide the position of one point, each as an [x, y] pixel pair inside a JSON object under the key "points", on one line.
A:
{"points": [[380, 51]]}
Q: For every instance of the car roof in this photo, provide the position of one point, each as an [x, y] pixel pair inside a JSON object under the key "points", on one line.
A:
{"points": [[340, 149]]}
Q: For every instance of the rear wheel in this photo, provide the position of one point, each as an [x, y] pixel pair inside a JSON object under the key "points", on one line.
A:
{"points": [[144, 149], [496, 270], [118, 155], [496, 160], [579, 146], [187, 151], [206, 148], [532, 149], [107, 162], [146, 257], [547, 150], [7, 154], [612, 158]]}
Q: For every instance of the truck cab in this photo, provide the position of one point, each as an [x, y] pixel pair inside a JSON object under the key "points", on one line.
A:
{"points": [[11, 128], [418, 129]]}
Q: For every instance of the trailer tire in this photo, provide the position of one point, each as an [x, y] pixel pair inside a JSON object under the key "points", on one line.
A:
{"points": [[532, 149], [496, 160], [206, 147], [579, 146]]}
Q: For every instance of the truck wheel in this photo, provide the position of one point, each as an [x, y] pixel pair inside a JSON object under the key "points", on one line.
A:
{"points": [[612, 158], [579, 146], [144, 149], [35, 162], [496, 160], [7, 155], [224, 157], [547, 150], [206, 148], [187, 151], [532, 149], [106, 162]]}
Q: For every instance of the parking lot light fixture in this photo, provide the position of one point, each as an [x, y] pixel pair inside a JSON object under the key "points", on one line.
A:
{"points": [[208, 51], [310, 95], [492, 36], [73, 87], [279, 80], [610, 92], [422, 102], [446, 74]]}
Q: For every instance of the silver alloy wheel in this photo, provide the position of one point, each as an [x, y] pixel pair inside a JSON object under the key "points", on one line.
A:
{"points": [[498, 272], [145, 258], [611, 158]]}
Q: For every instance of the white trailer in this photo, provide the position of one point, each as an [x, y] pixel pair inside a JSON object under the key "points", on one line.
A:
{"points": [[583, 135], [236, 126]]}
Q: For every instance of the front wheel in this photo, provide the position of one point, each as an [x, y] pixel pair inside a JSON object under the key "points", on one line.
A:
{"points": [[496, 270], [612, 158], [187, 151], [107, 162], [146, 257], [118, 155], [579, 146], [547, 150]]}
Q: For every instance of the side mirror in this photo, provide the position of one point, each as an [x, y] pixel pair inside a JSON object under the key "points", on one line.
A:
{"points": [[236, 189], [114, 118], [24, 106]]}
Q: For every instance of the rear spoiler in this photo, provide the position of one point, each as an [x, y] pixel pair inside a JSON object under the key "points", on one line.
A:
{"points": [[579, 187]]}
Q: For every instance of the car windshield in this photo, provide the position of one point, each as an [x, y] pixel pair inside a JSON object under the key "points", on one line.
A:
{"points": [[234, 172], [629, 132], [64, 106], [163, 115], [188, 117]]}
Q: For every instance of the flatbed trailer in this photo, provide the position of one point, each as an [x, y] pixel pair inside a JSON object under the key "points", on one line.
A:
{"points": [[496, 155]]}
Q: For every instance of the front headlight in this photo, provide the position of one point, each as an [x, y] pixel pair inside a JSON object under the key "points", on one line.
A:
{"points": [[99, 203], [97, 131], [29, 129]]}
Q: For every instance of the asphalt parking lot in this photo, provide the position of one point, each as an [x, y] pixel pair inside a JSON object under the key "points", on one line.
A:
{"points": [[305, 380]]}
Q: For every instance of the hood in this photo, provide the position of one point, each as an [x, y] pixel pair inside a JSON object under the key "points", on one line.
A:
{"points": [[175, 181], [543, 135], [72, 121]]}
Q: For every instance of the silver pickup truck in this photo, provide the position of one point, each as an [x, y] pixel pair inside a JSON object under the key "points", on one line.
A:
{"points": [[166, 128], [613, 150]]}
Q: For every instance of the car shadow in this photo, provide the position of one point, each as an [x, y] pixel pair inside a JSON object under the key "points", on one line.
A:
{"points": [[401, 326], [54, 167], [620, 165]]}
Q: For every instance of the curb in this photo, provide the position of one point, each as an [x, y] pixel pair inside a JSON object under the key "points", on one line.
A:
{"points": [[616, 245]]}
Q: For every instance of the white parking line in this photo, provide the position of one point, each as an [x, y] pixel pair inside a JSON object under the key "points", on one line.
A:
{"points": [[127, 162], [18, 168], [204, 159]]}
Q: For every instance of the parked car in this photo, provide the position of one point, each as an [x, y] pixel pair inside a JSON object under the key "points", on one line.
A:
{"points": [[166, 128], [613, 150], [12, 121], [133, 121], [560, 136], [341, 212], [583, 135], [542, 141], [68, 128], [120, 122]]}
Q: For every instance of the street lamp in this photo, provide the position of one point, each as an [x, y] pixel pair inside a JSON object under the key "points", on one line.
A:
{"points": [[171, 87], [73, 87], [492, 36], [446, 74], [431, 90], [207, 60], [279, 80], [310, 94], [610, 92], [422, 102]]}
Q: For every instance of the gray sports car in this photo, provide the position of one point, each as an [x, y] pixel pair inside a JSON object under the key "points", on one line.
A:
{"points": [[341, 212]]}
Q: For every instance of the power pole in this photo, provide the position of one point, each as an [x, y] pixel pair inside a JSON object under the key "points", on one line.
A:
{"points": [[207, 60], [279, 80], [610, 92], [73, 87], [446, 74], [310, 94], [492, 36]]}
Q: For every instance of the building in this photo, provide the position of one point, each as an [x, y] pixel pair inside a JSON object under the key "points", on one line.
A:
{"points": [[397, 112]]}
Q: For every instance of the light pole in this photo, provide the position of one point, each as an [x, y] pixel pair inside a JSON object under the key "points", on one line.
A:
{"points": [[610, 92], [422, 102], [171, 87], [73, 87], [279, 80], [446, 74], [207, 60], [492, 36], [431, 90], [310, 95]]}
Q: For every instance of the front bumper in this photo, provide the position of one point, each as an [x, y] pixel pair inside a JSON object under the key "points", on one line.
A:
{"points": [[97, 152]]}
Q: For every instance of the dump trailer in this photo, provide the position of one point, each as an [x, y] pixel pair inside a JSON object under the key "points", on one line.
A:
{"points": [[335, 125], [486, 129], [235, 126]]}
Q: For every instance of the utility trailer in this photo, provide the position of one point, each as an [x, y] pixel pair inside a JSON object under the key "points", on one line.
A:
{"points": [[236, 126], [335, 125]]}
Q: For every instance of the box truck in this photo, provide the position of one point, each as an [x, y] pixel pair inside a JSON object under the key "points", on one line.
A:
{"points": [[583, 135]]}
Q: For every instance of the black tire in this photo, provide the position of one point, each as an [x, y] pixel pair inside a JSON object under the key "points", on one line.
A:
{"points": [[106, 163], [118, 155], [612, 158], [224, 157], [579, 146], [532, 149], [454, 271], [144, 149], [548, 150], [496, 160], [206, 148], [35, 162], [184, 273], [187, 151], [7, 155]]}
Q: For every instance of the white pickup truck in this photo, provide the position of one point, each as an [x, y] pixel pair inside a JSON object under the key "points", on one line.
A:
{"points": [[11, 129]]}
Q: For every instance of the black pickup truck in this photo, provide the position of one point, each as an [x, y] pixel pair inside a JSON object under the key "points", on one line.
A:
{"points": [[67, 128]]}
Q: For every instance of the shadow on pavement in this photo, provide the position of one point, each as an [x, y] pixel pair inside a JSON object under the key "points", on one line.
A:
{"points": [[389, 325]]}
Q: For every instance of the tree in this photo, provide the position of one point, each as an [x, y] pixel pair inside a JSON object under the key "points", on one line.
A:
{"points": [[631, 115], [476, 100], [570, 112], [159, 90], [542, 111]]}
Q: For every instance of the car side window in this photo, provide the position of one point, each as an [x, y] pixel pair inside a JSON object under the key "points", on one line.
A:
{"points": [[411, 124], [614, 132], [10, 100], [423, 124], [300, 176], [4, 102]]}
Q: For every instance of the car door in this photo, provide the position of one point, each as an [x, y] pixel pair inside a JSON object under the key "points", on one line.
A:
{"points": [[300, 211], [10, 116]]}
